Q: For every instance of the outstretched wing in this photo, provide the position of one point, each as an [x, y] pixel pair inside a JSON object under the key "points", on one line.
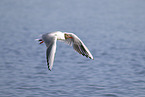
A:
{"points": [[79, 46], [50, 42]]}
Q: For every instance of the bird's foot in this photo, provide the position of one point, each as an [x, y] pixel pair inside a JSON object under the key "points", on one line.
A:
{"points": [[41, 42]]}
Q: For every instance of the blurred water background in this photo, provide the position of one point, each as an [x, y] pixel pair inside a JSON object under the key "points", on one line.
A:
{"points": [[113, 30]]}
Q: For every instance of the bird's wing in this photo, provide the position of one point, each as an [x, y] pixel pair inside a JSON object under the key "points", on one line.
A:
{"points": [[50, 42], [79, 46]]}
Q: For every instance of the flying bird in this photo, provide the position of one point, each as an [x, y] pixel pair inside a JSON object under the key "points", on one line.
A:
{"points": [[50, 40]]}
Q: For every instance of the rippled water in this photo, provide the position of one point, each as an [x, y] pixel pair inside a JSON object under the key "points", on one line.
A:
{"points": [[113, 30]]}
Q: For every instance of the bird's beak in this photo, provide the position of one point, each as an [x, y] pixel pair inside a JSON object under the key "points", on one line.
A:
{"points": [[71, 37]]}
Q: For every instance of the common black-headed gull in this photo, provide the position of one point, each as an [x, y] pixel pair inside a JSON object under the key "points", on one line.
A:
{"points": [[50, 40]]}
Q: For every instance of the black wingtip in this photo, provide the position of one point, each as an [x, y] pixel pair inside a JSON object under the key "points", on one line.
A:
{"points": [[48, 66], [87, 56], [49, 69]]}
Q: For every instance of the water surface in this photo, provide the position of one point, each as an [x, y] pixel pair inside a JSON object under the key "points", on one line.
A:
{"points": [[113, 31]]}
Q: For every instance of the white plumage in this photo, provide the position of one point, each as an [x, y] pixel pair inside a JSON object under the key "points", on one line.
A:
{"points": [[50, 40]]}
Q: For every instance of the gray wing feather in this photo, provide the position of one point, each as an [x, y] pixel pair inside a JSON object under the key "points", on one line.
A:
{"points": [[79, 46], [76, 47], [48, 39], [50, 42]]}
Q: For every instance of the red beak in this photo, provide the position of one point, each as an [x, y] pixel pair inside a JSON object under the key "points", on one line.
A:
{"points": [[71, 37]]}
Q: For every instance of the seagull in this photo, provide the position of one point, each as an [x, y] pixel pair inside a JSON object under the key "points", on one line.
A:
{"points": [[50, 40]]}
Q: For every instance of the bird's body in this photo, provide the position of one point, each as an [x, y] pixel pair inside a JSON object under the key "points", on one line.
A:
{"points": [[50, 40]]}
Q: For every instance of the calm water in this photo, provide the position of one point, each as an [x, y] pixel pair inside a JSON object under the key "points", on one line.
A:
{"points": [[113, 30]]}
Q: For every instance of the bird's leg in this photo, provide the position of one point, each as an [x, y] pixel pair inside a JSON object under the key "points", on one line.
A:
{"points": [[41, 41]]}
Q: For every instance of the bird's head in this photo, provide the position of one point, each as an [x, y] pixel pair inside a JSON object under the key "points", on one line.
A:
{"points": [[67, 36]]}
